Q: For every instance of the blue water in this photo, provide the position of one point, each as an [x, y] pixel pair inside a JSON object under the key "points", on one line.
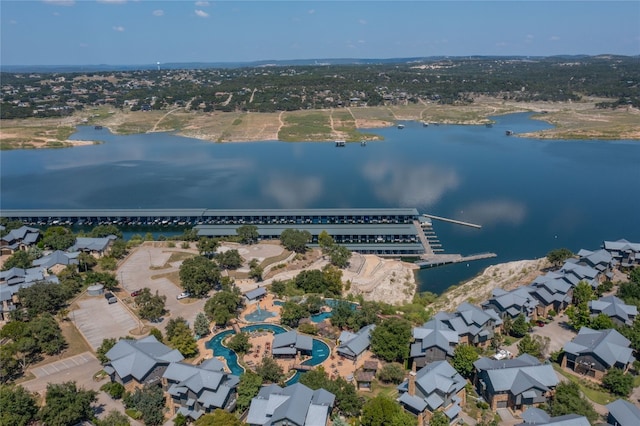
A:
{"points": [[278, 302], [530, 196], [319, 352], [259, 316], [321, 316]]}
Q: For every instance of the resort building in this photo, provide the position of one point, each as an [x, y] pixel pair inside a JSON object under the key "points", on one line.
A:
{"points": [[552, 291], [57, 260], [517, 383], [19, 239], [574, 271], [623, 413], [293, 405], [473, 325], [433, 341], [593, 352], [601, 260], [611, 306], [197, 390], [97, 247], [353, 345], [290, 344], [626, 254], [255, 295], [536, 416], [510, 304], [436, 387], [138, 363], [12, 280]]}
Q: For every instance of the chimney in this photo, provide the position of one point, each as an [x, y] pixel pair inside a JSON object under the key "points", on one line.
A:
{"points": [[412, 383]]}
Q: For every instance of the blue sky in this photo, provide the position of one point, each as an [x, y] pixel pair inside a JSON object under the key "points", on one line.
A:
{"points": [[55, 32]]}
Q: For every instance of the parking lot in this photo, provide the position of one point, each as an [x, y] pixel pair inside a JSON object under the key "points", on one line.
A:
{"points": [[148, 261], [97, 320], [557, 331]]}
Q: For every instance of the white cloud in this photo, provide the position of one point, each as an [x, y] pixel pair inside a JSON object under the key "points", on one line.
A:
{"points": [[83, 45], [112, 1], [554, 38], [118, 28], [311, 11], [13, 22], [416, 186], [362, 21], [202, 3], [489, 213], [56, 13], [528, 38], [501, 43], [158, 12], [60, 2], [202, 13]]}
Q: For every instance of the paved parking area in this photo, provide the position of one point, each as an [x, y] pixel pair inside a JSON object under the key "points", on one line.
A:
{"points": [[97, 320], [64, 364], [148, 261], [558, 332]]}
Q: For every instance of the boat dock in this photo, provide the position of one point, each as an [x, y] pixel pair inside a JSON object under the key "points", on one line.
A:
{"points": [[457, 222], [431, 261]]}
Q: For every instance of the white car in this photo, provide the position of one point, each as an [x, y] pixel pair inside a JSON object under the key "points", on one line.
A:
{"points": [[183, 295]]}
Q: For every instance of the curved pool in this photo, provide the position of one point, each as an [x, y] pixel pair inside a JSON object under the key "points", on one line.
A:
{"points": [[319, 352]]}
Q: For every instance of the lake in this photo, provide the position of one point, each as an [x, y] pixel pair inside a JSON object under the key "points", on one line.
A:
{"points": [[530, 196]]}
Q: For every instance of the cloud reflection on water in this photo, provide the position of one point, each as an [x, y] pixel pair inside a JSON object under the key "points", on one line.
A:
{"points": [[489, 213], [410, 185], [292, 191]]}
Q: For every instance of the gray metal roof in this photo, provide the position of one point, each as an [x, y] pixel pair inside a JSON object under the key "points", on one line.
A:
{"points": [[358, 344], [536, 416], [255, 293], [624, 413], [315, 229], [609, 346], [137, 358], [613, 307]]}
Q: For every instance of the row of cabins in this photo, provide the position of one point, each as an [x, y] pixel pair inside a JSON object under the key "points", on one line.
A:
{"points": [[45, 268], [522, 382], [194, 390]]}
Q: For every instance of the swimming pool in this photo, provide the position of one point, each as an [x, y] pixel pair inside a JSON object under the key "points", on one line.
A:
{"points": [[320, 351], [321, 316]]}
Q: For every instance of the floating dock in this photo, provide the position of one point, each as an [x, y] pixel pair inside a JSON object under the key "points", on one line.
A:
{"points": [[431, 261], [457, 222]]}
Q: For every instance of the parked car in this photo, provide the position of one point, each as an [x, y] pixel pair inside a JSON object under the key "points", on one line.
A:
{"points": [[135, 293], [540, 323], [110, 298], [183, 295]]}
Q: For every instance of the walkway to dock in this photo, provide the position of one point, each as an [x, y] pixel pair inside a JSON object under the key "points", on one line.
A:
{"points": [[429, 261], [428, 251], [457, 222]]}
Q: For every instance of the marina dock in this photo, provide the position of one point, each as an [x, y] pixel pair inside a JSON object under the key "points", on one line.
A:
{"points": [[431, 261], [457, 222]]}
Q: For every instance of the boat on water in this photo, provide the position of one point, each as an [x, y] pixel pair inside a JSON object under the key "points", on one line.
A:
{"points": [[363, 143], [425, 124], [489, 125], [508, 132], [401, 126], [341, 143]]}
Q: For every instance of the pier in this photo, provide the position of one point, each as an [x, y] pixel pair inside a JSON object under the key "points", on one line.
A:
{"points": [[447, 259], [457, 222]]}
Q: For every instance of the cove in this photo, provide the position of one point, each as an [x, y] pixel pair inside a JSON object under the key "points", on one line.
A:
{"points": [[530, 196]]}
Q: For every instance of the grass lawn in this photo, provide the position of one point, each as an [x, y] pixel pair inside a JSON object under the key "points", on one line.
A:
{"points": [[306, 126], [379, 388], [591, 390]]}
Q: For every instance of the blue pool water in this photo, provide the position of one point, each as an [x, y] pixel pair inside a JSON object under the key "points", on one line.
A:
{"points": [[278, 302], [319, 352], [321, 316], [259, 315]]}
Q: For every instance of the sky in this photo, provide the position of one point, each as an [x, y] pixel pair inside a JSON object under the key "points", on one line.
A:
{"points": [[137, 32]]}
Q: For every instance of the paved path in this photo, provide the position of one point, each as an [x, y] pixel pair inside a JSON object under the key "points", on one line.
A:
{"points": [[62, 365], [97, 320]]}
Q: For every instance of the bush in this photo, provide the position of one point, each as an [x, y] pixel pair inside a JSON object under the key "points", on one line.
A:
{"points": [[392, 373], [114, 389], [308, 328]]}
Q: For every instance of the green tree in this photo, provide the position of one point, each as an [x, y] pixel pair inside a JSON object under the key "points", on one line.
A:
{"points": [[239, 343], [199, 275], [295, 240], [201, 324], [17, 406], [439, 419], [46, 331], [332, 279], [390, 339], [528, 345], [114, 389], [102, 231], [107, 279], [291, 313], [325, 242], [248, 234], [86, 262], [341, 314], [579, 314], [255, 270], [601, 322], [118, 249], [150, 306], [9, 366], [391, 373], [248, 388], [347, 400], [340, 256], [180, 420], [558, 256], [19, 259], [569, 400], [180, 337], [42, 297], [219, 417], [463, 358], [58, 238], [223, 306], [384, 411], [114, 418], [149, 401], [66, 404], [269, 370], [618, 382], [520, 326], [308, 328], [207, 247], [157, 334], [101, 352], [229, 259]]}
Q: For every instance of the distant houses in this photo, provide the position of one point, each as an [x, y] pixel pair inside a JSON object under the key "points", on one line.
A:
{"points": [[536, 416], [19, 239], [593, 352], [473, 325], [614, 308], [433, 341], [97, 247], [12, 280], [353, 345]]}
